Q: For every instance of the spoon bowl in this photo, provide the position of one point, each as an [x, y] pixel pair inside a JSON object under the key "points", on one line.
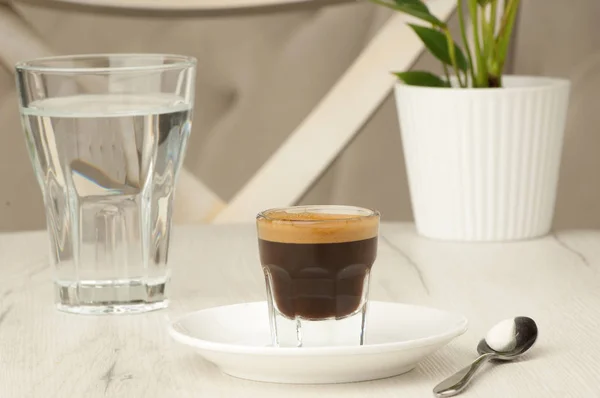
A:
{"points": [[511, 338], [524, 337]]}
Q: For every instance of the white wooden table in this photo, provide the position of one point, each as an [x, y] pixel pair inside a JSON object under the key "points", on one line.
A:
{"points": [[555, 280]]}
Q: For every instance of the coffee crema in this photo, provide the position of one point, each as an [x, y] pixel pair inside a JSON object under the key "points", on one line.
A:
{"points": [[284, 227], [317, 264]]}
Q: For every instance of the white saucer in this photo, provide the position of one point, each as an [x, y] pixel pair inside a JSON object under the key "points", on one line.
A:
{"points": [[236, 339]]}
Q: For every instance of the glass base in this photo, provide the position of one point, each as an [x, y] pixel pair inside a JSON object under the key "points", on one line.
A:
{"points": [[348, 331], [128, 296], [121, 309]]}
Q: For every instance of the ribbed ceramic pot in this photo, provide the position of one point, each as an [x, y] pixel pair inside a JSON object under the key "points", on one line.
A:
{"points": [[483, 164]]}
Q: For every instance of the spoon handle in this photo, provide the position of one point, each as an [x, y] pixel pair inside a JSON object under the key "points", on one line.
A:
{"points": [[454, 384]]}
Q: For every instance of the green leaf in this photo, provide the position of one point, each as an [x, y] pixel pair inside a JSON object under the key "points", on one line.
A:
{"points": [[412, 9], [421, 78], [416, 4], [437, 43], [484, 3]]}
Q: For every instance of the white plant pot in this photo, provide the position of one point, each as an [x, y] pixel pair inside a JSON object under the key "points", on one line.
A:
{"points": [[483, 164]]}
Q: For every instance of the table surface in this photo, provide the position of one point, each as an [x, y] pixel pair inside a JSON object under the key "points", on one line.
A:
{"points": [[185, 8], [555, 280]]}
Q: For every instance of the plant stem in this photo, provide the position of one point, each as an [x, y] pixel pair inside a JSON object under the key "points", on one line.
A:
{"points": [[481, 80], [452, 52], [502, 41], [509, 11], [447, 73], [493, 16], [485, 33], [465, 40], [490, 53]]}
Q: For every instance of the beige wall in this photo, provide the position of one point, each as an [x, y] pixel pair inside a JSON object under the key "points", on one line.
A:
{"points": [[260, 75], [556, 39]]}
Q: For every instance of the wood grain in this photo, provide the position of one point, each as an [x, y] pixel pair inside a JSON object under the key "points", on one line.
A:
{"points": [[555, 280]]}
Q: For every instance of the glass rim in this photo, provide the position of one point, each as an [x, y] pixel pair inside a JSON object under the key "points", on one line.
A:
{"points": [[37, 64], [368, 213]]}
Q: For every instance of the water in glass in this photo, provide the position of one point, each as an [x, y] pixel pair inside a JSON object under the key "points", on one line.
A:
{"points": [[107, 165]]}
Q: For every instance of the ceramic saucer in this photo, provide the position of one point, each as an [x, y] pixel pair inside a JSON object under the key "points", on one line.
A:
{"points": [[236, 338]]}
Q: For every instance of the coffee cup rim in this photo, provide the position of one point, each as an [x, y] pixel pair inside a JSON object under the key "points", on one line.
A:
{"points": [[345, 210]]}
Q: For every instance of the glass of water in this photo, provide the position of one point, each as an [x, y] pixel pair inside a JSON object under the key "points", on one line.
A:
{"points": [[106, 135]]}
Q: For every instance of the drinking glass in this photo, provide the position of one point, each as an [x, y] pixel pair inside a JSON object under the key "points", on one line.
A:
{"points": [[106, 135], [317, 261]]}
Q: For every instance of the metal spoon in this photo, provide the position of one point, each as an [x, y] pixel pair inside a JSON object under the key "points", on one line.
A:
{"points": [[509, 339]]}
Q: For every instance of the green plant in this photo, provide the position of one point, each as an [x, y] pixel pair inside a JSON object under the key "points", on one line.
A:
{"points": [[483, 65]]}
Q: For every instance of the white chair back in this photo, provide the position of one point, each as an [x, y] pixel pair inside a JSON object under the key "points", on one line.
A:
{"points": [[308, 151]]}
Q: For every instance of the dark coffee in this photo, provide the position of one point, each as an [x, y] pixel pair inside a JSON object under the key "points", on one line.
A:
{"points": [[317, 270]]}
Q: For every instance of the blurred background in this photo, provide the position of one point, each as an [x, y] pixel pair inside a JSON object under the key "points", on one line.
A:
{"points": [[262, 71]]}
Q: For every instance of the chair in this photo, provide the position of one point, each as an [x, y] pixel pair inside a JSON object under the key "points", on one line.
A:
{"points": [[18, 42], [345, 109]]}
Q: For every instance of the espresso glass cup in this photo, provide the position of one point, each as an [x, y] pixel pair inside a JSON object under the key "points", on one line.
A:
{"points": [[317, 261]]}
